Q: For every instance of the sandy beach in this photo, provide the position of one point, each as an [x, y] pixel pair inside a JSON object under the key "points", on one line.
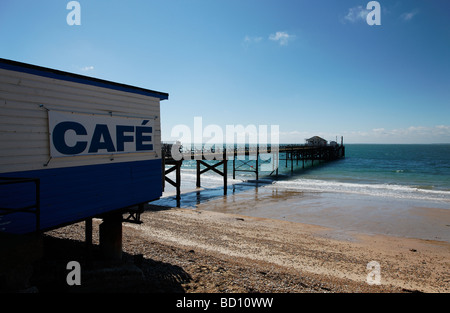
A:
{"points": [[188, 250]]}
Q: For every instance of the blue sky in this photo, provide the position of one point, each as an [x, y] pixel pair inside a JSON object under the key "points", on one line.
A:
{"points": [[311, 67]]}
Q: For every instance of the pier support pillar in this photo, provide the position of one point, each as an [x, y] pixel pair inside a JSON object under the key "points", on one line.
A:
{"points": [[276, 157], [111, 236], [225, 174], [213, 168], [257, 163], [292, 160], [176, 166], [198, 175], [234, 165]]}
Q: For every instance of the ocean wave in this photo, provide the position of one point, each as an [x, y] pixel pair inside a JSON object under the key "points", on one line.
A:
{"points": [[413, 192], [382, 190]]}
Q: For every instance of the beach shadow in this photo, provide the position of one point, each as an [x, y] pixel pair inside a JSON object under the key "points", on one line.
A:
{"points": [[153, 207], [132, 274]]}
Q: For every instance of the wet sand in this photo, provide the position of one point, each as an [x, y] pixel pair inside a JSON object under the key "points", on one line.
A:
{"points": [[346, 213]]}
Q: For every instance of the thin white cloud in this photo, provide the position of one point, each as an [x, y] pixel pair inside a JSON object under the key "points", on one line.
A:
{"points": [[87, 68], [282, 38], [407, 135], [412, 134], [299, 137], [356, 14], [407, 16], [249, 39]]}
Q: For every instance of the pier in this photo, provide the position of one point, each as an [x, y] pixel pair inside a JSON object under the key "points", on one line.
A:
{"points": [[217, 159]]}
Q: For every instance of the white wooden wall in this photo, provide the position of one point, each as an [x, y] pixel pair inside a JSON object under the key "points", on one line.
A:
{"points": [[24, 135]]}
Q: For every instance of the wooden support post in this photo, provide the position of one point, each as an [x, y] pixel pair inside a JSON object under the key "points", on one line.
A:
{"points": [[292, 160], [234, 164], [163, 166], [225, 173], [111, 236], [176, 166], [178, 180], [198, 174], [257, 163], [276, 161]]}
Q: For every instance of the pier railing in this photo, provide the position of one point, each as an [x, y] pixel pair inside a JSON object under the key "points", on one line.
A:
{"points": [[178, 151]]}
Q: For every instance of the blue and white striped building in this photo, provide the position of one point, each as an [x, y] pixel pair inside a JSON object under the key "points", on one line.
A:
{"points": [[93, 145]]}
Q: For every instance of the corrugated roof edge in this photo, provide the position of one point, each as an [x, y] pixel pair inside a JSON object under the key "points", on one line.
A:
{"points": [[57, 74]]}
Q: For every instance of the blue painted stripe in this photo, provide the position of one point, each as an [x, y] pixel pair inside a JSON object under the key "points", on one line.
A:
{"points": [[56, 74], [72, 194]]}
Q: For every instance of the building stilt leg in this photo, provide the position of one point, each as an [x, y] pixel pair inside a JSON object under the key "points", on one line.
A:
{"points": [[111, 236]]}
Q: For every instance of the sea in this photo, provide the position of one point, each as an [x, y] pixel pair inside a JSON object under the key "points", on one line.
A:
{"points": [[389, 189]]}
